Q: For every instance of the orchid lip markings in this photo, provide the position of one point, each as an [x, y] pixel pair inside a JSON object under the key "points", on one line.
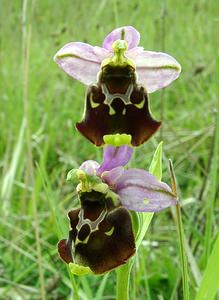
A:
{"points": [[117, 62], [110, 97], [113, 108], [93, 246], [93, 225]]}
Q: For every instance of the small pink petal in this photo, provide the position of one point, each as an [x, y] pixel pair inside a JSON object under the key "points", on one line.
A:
{"points": [[114, 157], [89, 167], [156, 70], [111, 177], [132, 36], [80, 61]]}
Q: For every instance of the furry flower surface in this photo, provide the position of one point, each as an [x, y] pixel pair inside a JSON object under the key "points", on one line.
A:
{"points": [[120, 75], [101, 236]]}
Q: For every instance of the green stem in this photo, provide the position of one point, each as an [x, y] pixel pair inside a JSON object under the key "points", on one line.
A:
{"points": [[182, 253], [74, 285], [181, 238], [122, 282]]}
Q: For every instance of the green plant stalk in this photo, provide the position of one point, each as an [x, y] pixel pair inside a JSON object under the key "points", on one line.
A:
{"points": [[179, 222], [123, 280], [182, 253], [123, 273], [74, 285]]}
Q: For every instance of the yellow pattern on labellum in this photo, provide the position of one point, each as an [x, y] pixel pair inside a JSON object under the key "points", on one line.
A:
{"points": [[117, 139], [79, 269]]}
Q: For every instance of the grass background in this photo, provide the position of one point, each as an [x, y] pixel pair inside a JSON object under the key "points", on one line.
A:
{"points": [[39, 106]]}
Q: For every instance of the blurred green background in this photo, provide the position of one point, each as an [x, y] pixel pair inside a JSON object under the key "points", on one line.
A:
{"points": [[39, 106]]}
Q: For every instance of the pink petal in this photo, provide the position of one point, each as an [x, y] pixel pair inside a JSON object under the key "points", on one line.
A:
{"points": [[89, 167], [101, 53], [132, 36], [156, 69], [114, 157], [111, 177], [141, 191], [81, 61], [134, 52], [142, 200]]}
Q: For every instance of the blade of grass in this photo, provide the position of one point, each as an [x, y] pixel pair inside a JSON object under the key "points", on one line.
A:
{"points": [[181, 237], [26, 42], [210, 281], [193, 264], [87, 288], [99, 294], [212, 192], [8, 179]]}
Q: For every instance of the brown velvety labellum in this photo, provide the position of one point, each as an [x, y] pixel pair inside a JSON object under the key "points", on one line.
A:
{"points": [[116, 104], [101, 236]]}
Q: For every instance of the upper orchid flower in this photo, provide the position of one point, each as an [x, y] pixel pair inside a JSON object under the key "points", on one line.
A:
{"points": [[101, 236], [120, 75]]}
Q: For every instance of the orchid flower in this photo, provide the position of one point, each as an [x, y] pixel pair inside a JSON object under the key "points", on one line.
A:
{"points": [[101, 236], [119, 75]]}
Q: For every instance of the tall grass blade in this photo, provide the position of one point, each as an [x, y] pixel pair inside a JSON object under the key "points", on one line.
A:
{"points": [[8, 179], [99, 294], [212, 192], [182, 244], [210, 281]]}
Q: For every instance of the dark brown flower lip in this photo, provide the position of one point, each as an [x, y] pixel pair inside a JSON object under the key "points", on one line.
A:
{"points": [[101, 237], [104, 118]]}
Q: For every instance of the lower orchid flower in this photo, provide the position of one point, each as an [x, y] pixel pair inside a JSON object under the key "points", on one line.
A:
{"points": [[120, 75], [101, 236]]}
